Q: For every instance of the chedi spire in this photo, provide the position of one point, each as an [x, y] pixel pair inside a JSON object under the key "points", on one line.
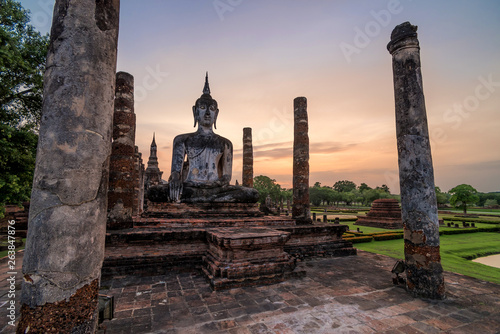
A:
{"points": [[206, 88]]}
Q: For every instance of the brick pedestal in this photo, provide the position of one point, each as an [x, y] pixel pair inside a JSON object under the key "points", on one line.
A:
{"points": [[384, 213], [246, 256]]}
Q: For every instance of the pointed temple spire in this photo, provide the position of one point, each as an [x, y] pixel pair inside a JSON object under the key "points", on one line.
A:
{"points": [[206, 88], [153, 173], [153, 148]]}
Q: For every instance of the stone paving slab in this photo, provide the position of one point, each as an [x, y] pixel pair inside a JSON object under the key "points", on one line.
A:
{"points": [[351, 294], [339, 295]]}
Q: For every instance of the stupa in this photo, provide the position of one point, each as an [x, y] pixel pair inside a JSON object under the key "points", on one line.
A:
{"points": [[384, 213]]}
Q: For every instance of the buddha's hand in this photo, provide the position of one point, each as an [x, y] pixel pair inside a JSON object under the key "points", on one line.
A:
{"points": [[175, 187], [224, 180]]}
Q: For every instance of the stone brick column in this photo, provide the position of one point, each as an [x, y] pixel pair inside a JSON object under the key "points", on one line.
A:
{"points": [[301, 208], [67, 219], [122, 171], [247, 175], [416, 174], [139, 183]]}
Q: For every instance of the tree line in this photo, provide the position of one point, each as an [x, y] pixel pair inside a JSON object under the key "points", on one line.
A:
{"points": [[346, 192], [342, 192]]}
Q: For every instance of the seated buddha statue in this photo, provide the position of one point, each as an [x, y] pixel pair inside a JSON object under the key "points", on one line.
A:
{"points": [[202, 163]]}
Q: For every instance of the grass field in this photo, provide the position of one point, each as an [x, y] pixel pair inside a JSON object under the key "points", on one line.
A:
{"points": [[456, 252], [477, 211]]}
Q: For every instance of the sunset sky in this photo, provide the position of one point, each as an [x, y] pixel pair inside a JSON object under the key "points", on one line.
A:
{"points": [[261, 54]]}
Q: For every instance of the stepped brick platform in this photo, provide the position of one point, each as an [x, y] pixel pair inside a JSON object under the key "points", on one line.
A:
{"points": [[268, 247], [214, 222], [384, 213], [318, 239], [246, 256], [203, 210]]}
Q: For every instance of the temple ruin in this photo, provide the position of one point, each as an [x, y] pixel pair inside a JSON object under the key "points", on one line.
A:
{"points": [[384, 213], [198, 220]]}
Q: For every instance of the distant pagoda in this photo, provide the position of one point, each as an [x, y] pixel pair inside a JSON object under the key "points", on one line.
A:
{"points": [[153, 173], [384, 213]]}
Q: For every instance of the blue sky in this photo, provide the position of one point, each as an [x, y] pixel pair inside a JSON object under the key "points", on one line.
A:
{"points": [[261, 54]]}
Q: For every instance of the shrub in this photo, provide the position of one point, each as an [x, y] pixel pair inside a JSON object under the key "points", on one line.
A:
{"points": [[388, 236], [359, 239], [468, 230]]}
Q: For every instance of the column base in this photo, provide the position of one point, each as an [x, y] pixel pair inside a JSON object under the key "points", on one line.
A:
{"points": [[79, 315]]}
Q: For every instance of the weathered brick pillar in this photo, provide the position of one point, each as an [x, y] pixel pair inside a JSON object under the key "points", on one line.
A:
{"points": [[300, 207], [139, 183], [67, 219], [122, 171], [247, 175], [416, 174]]}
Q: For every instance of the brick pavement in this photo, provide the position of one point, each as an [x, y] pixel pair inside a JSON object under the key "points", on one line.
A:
{"points": [[339, 295]]}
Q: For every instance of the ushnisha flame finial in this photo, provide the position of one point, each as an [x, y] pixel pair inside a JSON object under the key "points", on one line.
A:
{"points": [[206, 88]]}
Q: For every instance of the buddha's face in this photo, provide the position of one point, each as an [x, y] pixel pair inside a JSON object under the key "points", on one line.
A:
{"points": [[206, 113]]}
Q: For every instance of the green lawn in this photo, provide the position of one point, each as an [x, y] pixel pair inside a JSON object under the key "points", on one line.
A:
{"points": [[476, 211], [457, 250], [454, 251], [366, 229], [452, 218]]}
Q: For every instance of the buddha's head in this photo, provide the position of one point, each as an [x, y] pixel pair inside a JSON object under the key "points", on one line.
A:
{"points": [[205, 109]]}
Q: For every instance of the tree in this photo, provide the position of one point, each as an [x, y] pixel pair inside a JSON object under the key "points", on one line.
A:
{"points": [[267, 186], [349, 197], [483, 197], [383, 188], [22, 60], [344, 186], [463, 195], [319, 195], [441, 197], [335, 197], [363, 187], [286, 194], [315, 195], [370, 195], [17, 164], [490, 203]]}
